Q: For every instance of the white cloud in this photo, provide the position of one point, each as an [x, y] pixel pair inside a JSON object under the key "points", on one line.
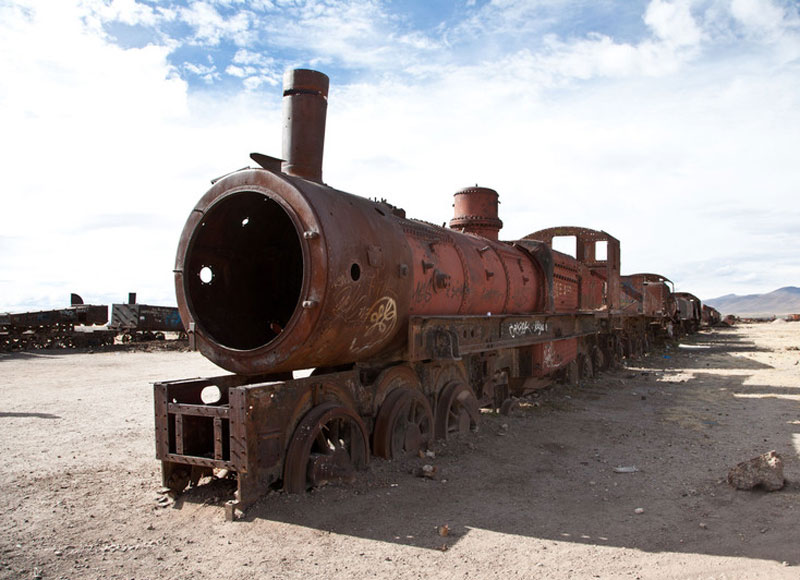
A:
{"points": [[244, 56], [93, 129], [256, 69], [761, 16], [208, 73], [128, 12], [236, 71], [667, 140], [211, 27], [672, 22]]}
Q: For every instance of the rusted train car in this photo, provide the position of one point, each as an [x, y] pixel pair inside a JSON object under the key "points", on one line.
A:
{"points": [[75, 326], [710, 316], [141, 322], [689, 315], [82, 325], [410, 328]]}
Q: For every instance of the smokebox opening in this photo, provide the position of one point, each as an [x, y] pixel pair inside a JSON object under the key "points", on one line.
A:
{"points": [[244, 271]]}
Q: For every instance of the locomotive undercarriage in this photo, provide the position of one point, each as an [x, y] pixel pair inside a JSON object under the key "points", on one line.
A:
{"points": [[299, 433], [59, 335], [276, 271]]}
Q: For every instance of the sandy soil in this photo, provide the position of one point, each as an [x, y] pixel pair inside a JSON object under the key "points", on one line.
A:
{"points": [[534, 495]]}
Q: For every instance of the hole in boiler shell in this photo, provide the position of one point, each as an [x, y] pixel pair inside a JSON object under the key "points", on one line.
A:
{"points": [[206, 275], [355, 272], [248, 279]]}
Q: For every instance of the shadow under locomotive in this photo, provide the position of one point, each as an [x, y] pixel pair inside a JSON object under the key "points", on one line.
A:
{"points": [[413, 330], [720, 348], [548, 472]]}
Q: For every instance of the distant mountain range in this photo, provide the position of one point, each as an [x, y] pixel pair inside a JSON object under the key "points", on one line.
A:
{"points": [[778, 302]]}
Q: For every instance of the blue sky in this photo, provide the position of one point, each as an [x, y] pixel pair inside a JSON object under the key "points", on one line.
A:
{"points": [[671, 124]]}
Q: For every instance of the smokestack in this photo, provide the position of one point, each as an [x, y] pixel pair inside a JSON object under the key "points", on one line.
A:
{"points": [[305, 105], [476, 212]]}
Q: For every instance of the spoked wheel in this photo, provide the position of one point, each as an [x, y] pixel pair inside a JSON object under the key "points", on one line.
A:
{"points": [[328, 446], [404, 424], [457, 411]]}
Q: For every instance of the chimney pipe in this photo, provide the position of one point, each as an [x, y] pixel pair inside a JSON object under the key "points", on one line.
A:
{"points": [[305, 105], [476, 212]]}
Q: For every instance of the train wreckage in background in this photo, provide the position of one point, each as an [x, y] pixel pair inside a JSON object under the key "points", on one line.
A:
{"points": [[87, 325], [410, 328], [79, 325], [144, 321]]}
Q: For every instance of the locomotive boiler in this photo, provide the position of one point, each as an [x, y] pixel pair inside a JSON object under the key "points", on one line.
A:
{"points": [[410, 328], [277, 271]]}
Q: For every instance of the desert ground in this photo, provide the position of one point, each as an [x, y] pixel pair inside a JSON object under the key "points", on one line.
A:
{"points": [[531, 495]]}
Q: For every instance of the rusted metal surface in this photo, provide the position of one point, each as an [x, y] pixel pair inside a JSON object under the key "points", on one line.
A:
{"points": [[648, 294], [458, 410], [588, 281], [75, 326], [711, 316], [256, 424], [476, 212], [145, 317], [404, 417], [449, 338], [85, 325], [689, 311], [605, 268], [335, 276], [411, 328], [305, 105], [329, 445], [279, 273]]}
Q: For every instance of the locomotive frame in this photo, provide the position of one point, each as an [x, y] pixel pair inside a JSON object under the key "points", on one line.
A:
{"points": [[410, 329]]}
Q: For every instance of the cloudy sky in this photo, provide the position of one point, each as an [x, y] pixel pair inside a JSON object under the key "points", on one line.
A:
{"points": [[672, 124]]}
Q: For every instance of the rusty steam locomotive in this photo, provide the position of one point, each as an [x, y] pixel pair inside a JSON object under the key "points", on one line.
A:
{"points": [[410, 328]]}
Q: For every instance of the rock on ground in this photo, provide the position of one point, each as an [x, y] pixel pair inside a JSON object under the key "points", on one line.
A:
{"points": [[765, 471]]}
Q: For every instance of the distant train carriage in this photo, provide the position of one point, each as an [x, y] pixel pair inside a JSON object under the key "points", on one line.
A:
{"points": [[75, 326], [689, 312], [710, 316], [144, 321]]}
